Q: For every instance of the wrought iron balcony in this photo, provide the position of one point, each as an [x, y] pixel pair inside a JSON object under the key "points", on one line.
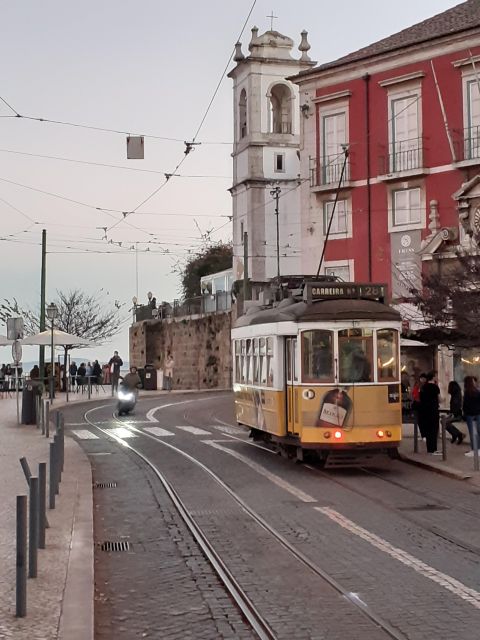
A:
{"points": [[327, 172], [404, 155], [467, 143]]}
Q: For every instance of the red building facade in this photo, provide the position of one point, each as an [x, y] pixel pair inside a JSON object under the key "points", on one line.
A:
{"points": [[407, 109]]}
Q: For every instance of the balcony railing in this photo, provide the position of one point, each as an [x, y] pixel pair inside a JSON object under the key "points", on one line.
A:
{"points": [[327, 172], [211, 303], [404, 155], [282, 127], [467, 143]]}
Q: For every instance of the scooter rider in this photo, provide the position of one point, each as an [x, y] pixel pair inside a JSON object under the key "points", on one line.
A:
{"points": [[132, 380]]}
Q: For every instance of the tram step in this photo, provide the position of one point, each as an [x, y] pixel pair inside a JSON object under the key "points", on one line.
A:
{"points": [[338, 459]]}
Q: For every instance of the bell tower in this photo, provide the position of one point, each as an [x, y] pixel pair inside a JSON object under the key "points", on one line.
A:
{"points": [[266, 155]]}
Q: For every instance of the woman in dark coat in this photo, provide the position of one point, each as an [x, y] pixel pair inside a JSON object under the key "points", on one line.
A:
{"points": [[471, 410], [455, 412], [429, 412]]}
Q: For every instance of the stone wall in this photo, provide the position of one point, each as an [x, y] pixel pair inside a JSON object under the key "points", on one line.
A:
{"points": [[200, 347]]}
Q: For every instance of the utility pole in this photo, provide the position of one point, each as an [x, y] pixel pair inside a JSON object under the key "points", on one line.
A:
{"points": [[41, 356], [246, 292], [136, 269], [275, 193]]}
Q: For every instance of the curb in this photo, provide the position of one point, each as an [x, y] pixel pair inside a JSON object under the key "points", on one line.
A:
{"points": [[445, 471]]}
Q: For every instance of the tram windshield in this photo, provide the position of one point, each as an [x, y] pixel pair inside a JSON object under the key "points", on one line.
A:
{"points": [[355, 348], [317, 356], [387, 355]]}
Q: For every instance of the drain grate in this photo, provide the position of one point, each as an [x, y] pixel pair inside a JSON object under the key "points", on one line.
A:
{"points": [[109, 545], [105, 485], [425, 507]]}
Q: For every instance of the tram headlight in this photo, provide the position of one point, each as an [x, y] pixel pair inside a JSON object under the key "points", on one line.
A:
{"points": [[337, 435], [380, 433]]}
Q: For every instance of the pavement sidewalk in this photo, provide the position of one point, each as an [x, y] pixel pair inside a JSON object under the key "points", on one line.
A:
{"points": [[457, 465], [60, 599]]}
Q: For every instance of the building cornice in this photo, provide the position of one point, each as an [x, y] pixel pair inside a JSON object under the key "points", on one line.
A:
{"points": [[464, 62], [408, 77], [338, 95]]}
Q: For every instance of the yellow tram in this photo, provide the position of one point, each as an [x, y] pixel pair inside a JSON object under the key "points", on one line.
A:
{"points": [[321, 372]]}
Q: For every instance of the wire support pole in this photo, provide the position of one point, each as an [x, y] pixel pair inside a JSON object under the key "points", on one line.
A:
{"points": [[344, 166], [275, 193]]}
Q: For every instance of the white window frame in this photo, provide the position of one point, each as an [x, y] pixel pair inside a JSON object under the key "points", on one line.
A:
{"points": [[391, 208], [334, 233], [325, 112], [467, 79], [403, 93], [330, 266]]}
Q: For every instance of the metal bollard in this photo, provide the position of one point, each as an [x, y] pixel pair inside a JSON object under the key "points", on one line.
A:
{"points": [[61, 433], [415, 434], [37, 411], [21, 581], [42, 498], [58, 473], [443, 422], [89, 384], [47, 418], [475, 446], [33, 528], [51, 478], [26, 469], [42, 415]]}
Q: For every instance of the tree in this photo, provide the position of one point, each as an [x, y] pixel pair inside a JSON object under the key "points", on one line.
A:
{"points": [[449, 301], [210, 259], [81, 314]]}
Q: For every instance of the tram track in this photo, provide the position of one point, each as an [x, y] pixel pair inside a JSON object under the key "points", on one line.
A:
{"points": [[436, 531], [258, 624]]}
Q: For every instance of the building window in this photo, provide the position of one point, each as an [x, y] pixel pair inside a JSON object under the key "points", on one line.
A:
{"points": [[333, 141], [406, 205], [280, 109], [472, 129], [339, 223], [340, 271], [242, 113], [279, 162], [405, 148]]}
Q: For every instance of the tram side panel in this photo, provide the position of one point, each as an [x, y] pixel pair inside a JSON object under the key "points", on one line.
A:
{"points": [[262, 409]]}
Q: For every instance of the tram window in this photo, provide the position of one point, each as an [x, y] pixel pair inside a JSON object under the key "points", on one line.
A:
{"points": [[387, 355], [317, 356], [270, 360], [249, 359], [243, 364], [256, 361], [355, 348], [263, 361], [238, 360]]}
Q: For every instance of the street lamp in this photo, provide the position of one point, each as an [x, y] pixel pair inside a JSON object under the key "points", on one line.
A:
{"points": [[52, 313]]}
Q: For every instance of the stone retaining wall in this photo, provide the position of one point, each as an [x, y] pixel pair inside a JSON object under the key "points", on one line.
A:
{"points": [[200, 347]]}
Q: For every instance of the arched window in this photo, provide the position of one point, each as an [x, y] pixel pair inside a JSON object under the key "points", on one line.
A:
{"points": [[280, 109], [242, 105]]}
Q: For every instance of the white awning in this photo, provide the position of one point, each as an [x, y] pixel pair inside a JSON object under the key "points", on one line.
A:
{"points": [[406, 342], [410, 312]]}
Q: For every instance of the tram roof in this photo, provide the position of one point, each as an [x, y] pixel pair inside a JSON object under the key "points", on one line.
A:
{"points": [[319, 311]]}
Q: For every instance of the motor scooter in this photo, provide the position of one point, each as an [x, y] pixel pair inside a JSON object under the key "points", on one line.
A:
{"points": [[126, 399]]}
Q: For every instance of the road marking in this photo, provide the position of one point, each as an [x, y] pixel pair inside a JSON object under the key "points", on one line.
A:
{"points": [[451, 584], [151, 414], [230, 429], [84, 434], [157, 431], [121, 432], [280, 482], [196, 431], [75, 424]]}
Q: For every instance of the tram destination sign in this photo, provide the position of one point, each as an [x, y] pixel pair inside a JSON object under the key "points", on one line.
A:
{"points": [[329, 290]]}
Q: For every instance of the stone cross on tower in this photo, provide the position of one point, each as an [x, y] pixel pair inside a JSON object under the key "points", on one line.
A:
{"points": [[272, 18]]}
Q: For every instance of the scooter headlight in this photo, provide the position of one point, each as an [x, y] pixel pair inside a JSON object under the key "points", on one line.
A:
{"points": [[126, 395]]}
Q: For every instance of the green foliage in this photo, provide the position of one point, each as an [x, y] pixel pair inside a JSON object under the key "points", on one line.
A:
{"points": [[213, 258]]}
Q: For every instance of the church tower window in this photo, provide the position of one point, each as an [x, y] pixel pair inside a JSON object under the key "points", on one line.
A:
{"points": [[243, 113], [280, 109]]}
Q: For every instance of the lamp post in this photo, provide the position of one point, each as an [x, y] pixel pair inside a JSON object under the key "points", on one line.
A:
{"points": [[275, 193], [52, 313]]}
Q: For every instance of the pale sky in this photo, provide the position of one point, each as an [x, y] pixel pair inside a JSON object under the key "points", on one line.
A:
{"points": [[148, 67]]}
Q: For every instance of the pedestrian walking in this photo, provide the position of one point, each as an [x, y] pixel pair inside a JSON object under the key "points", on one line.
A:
{"points": [[35, 372], [471, 410], [73, 373], [429, 412], [417, 416], [81, 375], [115, 363], [97, 373], [455, 414], [168, 371]]}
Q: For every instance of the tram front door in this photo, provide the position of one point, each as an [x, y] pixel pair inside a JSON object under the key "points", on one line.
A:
{"points": [[291, 378]]}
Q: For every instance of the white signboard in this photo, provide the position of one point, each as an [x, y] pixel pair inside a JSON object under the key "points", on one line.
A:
{"points": [[15, 328]]}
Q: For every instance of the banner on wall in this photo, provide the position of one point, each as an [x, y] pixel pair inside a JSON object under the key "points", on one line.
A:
{"points": [[406, 263]]}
